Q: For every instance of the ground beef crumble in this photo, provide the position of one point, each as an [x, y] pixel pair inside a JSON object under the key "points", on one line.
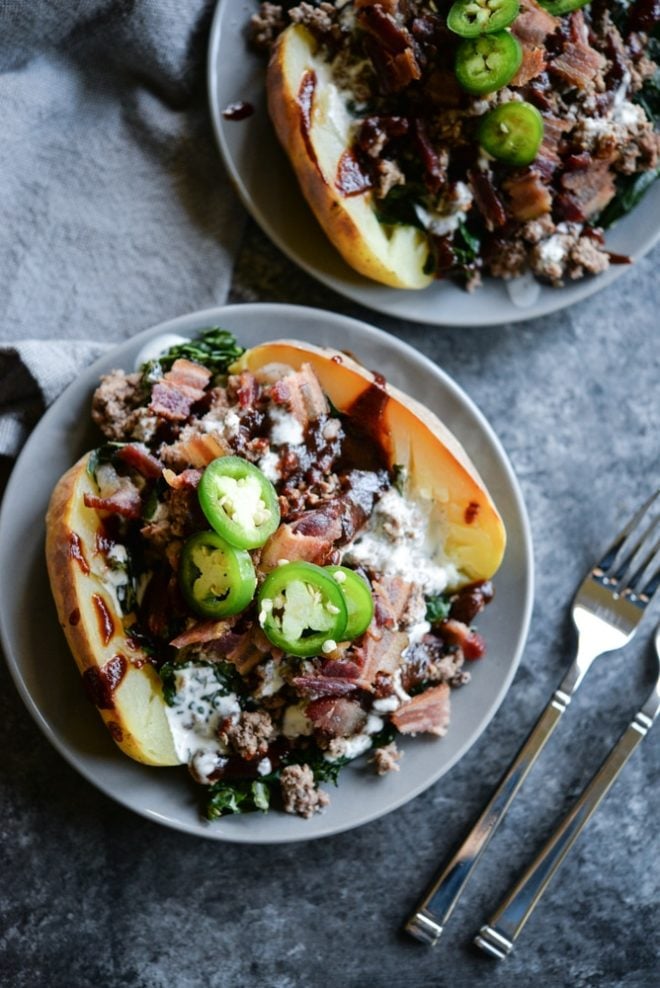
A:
{"points": [[386, 759], [300, 793], [249, 736]]}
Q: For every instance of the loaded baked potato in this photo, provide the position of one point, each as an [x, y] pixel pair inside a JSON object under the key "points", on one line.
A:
{"points": [[271, 567]]}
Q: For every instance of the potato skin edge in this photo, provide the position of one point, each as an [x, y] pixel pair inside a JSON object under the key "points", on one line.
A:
{"points": [[325, 202], [80, 639]]}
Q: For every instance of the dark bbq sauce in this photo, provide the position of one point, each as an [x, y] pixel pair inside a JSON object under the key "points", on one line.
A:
{"points": [[305, 101], [350, 179], [471, 512], [100, 684], [76, 551], [104, 617], [238, 111], [74, 616], [367, 442], [115, 730]]}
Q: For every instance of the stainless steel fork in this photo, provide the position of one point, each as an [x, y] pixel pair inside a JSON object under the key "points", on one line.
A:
{"points": [[607, 609], [498, 936]]}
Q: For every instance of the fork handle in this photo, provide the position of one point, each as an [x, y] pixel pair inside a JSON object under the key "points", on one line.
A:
{"points": [[428, 921], [499, 934]]}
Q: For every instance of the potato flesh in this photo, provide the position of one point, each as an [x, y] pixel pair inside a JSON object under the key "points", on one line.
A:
{"points": [[393, 255]]}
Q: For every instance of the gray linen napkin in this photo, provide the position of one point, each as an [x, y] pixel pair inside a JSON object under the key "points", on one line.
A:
{"points": [[115, 209], [32, 375]]}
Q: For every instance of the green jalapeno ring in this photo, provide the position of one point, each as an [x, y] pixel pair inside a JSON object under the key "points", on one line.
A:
{"points": [[239, 502], [302, 610], [512, 133], [487, 63], [359, 602], [216, 579], [559, 7], [470, 18]]}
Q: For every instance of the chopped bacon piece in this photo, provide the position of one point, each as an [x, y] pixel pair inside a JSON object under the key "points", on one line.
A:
{"points": [[435, 173], [458, 633], [173, 396], [392, 595], [125, 501], [390, 48], [288, 544], [302, 395], [314, 534], [171, 402], [186, 373], [340, 668], [533, 63], [577, 64], [324, 685], [336, 717], [203, 631], [427, 713], [137, 455], [590, 189], [486, 199], [529, 198], [195, 448], [381, 654], [187, 480], [246, 653], [534, 24]]}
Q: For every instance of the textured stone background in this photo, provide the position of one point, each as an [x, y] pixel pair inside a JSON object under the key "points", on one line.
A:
{"points": [[93, 895]]}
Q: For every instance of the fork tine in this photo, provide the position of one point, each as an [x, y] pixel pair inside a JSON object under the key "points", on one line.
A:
{"points": [[638, 558], [653, 576], [620, 550]]}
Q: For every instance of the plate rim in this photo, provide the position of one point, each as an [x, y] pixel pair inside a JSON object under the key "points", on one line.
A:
{"points": [[581, 290], [184, 325]]}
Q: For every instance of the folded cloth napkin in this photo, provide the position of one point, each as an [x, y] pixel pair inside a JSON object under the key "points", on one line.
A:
{"points": [[32, 374], [116, 211]]}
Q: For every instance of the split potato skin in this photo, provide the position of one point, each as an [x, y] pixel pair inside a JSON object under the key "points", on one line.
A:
{"points": [[462, 515], [314, 128], [124, 686]]}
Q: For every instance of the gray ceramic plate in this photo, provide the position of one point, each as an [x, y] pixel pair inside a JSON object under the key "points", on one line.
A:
{"points": [[265, 183], [44, 671]]}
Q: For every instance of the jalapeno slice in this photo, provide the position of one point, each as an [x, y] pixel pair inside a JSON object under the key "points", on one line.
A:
{"points": [[358, 599], [302, 610], [512, 133], [216, 579], [488, 62], [470, 18], [239, 502], [559, 7]]}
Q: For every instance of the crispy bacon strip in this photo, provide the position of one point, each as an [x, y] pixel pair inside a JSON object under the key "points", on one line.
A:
{"points": [[125, 501], [203, 631], [486, 199], [302, 395], [534, 25], [137, 455], [187, 480], [336, 717], [577, 65], [591, 189], [173, 396], [427, 713], [529, 198], [533, 63], [324, 685]]}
